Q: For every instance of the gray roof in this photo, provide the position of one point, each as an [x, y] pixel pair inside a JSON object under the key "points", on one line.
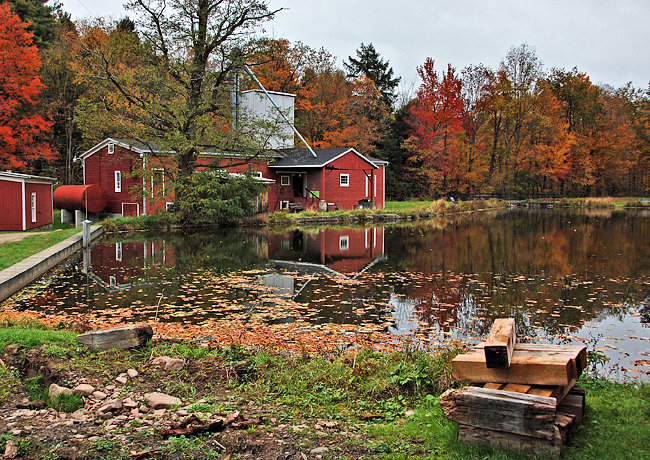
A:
{"points": [[301, 157]]}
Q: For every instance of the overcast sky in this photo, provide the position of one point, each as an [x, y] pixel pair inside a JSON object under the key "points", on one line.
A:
{"points": [[607, 39]]}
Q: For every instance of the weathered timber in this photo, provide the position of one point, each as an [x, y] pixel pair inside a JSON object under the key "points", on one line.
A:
{"points": [[527, 366], [524, 414], [573, 404], [577, 352], [130, 336], [557, 391], [510, 441], [500, 343]]}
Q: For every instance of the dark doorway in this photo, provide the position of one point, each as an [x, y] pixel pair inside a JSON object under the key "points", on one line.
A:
{"points": [[298, 184]]}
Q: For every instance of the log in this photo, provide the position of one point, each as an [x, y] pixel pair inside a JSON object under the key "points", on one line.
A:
{"points": [[122, 337], [528, 366], [507, 411], [500, 343], [509, 441]]}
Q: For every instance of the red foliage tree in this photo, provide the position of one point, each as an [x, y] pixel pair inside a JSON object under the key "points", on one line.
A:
{"points": [[20, 128]]}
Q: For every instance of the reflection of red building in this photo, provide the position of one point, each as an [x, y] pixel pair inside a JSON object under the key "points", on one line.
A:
{"points": [[343, 250], [122, 263]]}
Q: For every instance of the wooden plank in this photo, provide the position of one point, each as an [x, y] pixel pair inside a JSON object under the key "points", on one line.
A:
{"points": [[528, 445], [576, 352], [525, 368], [500, 410], [573, 404], [130, 336], [494, 386], [517, 388], [500, 343]]}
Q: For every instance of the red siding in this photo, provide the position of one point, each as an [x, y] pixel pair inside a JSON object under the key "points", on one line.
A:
{"points": [[11, 199], [43, 204], [100, 169], [347, 197]]}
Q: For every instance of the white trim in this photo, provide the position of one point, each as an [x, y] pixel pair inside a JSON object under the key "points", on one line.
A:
{"points": [[33, 207], [83, 166], [112, 281], [18, 177], [366, 185], [168, 204], [374, 184], [118, 182], [257, 174], [347, 180], [344, 243], [23, 209], [110, 148], [383, 181], [365, 237], [268, 91], [284, 205], [138, 209], [144, 186], [118, 251], [288, 180]]}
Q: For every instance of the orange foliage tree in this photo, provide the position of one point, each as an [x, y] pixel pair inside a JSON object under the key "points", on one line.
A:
{"points": [[20, 85]]}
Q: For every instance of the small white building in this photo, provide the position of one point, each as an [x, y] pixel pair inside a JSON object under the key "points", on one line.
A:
{"points": [[255, 107]]}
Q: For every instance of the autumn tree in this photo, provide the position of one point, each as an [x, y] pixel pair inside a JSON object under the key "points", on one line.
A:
{"points": [[42, 18], [169, 83], [21, 129], [370, 64], [437, 126]]}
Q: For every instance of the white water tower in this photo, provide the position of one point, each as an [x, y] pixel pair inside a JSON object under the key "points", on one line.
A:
{"points": [[256, 110]]}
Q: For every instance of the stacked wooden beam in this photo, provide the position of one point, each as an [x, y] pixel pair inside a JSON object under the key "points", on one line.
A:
{"points": [[524, 397]]}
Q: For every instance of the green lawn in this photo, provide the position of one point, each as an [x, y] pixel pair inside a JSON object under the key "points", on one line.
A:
{"points": [[403, 205], [15, 251]]}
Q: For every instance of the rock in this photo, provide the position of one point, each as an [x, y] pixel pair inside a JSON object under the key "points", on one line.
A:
{"points": [[330, 424], [79, 414], [128, 403], [157, 400], [159, 412], [169, 364], [118, 337], [11, 451], [84, 389], [121, 379], [409, 413], [100, 395], [132, 373], [182, 412], [110, 387], [110, 406], [56, 391], [319, 450], [12, 349]]}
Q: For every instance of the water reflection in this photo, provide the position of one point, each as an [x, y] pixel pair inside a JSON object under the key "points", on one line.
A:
{"points": [[565, 276]]}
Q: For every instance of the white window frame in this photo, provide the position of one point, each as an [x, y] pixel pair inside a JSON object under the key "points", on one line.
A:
{"points": [[111, 149], [282, 181], [162, 177], [257, 174], [33, 207], [347, 180], [344, 243], [284, 205], [168, 205], [367, 182], [118, 252], [112, 280], [118, 181]]}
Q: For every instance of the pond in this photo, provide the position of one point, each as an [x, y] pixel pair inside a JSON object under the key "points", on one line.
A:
{"points": [[566, 276]]}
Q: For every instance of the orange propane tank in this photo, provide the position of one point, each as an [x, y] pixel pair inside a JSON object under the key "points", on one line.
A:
{"points": [[91, 197]]}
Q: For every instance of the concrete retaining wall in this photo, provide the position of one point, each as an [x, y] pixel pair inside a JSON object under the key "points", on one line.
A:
{"points": [[19, 275]]}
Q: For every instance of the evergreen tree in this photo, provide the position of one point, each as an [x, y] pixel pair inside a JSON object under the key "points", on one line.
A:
{"points": [[370, 64], [42, 18]]}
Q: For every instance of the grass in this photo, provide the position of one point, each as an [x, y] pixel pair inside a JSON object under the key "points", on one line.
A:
{"points": [[15, 251], [603, 203], [388, 401], [407, 209]]}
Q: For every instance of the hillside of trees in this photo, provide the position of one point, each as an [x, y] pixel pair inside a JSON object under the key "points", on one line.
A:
{"points": [[517, 129]]}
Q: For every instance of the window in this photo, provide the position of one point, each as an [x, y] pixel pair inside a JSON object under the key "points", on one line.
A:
{"points": [[118, 252], [284, 180], [111, 149], [344, 180], [34, 207], [284, 205], [258, 174], [344, 243], [157, 181], [112, 281], [168, 205], [118, 181]]}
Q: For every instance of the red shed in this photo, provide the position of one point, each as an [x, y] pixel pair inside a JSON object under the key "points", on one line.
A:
{"points": [[25, 201]]}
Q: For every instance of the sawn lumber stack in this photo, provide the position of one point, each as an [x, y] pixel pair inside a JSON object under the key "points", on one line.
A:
{"points": [[523, 396]]}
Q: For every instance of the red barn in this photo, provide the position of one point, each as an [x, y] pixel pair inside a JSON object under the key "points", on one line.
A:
{"points": [[25, 201], [341, 177]]}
